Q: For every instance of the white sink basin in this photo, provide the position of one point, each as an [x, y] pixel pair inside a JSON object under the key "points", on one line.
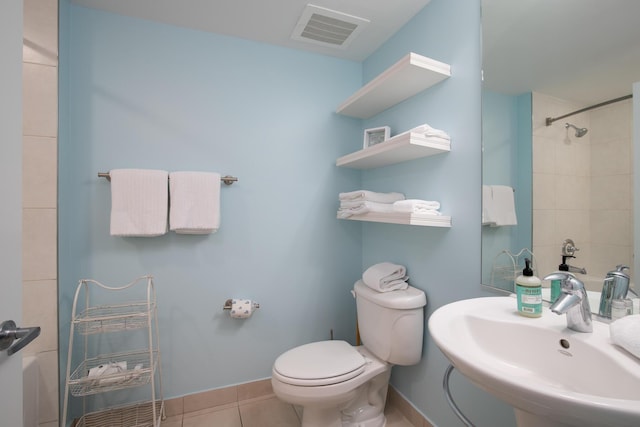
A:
{"points": [[552, 376]]}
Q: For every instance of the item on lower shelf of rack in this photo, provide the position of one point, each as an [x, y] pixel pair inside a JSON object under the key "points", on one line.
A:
{"points": [[114, 373], [137, 414]]}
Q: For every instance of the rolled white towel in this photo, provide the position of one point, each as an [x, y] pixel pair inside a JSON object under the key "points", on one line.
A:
{"points": [[625, 332], [386, 277], [417, 206], [371, 196], [348, 209]]}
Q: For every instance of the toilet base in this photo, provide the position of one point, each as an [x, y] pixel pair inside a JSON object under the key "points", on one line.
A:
{"points": [[314, 417], [379, 421], [358, 402]]}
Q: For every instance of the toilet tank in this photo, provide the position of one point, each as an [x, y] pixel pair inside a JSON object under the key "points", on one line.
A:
{"points": [[391, 324]]}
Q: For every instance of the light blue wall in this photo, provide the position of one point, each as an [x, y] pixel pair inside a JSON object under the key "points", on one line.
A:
{"points": [[445, 263], [507, 160], [141, 94], [145, 95]]}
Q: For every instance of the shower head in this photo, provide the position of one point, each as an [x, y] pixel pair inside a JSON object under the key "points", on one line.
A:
{"points": [[580, 132]]}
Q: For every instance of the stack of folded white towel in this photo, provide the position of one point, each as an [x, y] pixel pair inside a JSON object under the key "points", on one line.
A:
{"points": [[362, 201], [386, 277], [431, 133]]}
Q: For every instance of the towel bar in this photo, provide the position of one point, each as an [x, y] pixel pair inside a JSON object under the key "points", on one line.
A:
{"points": [[227, 179]]}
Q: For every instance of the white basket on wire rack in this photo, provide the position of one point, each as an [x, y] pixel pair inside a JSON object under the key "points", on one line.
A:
{"points": [[507, 266]]}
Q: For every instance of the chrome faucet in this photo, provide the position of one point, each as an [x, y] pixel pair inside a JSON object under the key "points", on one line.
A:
{"points": [[573, 302], [573, 269], [568, 251], [615, 286]]}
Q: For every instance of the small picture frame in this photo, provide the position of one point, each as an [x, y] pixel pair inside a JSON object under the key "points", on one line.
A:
{"points": [[375, 136]]}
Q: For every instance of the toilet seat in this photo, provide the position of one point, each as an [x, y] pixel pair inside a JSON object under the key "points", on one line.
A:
{"points": [[319, 363]]}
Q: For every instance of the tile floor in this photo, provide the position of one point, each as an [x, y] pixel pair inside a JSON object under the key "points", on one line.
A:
{"points": [[267, 411]]}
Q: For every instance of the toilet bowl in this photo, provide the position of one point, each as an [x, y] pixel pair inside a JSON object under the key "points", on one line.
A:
{"points": [[337, 385]]}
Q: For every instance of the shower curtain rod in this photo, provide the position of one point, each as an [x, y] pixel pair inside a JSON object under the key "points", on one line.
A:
{"points": [[550, 120]]}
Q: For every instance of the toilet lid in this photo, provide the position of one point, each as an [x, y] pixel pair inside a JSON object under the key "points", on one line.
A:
{"points": [[320, 363]]}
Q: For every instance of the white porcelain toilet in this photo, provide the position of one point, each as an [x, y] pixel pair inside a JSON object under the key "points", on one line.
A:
{"points": [[339, 385]]}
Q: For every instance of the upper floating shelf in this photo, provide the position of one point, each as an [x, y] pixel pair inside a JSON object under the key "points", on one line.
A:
{"points": [[406, 78], [400, 148]]}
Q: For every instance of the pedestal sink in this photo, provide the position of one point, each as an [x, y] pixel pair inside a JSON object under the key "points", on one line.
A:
{"points": [[552, 376]]}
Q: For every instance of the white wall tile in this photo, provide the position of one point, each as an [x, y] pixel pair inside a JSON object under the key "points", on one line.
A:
{"points": [[39, 172], [48, 363], [544, 222], [612, 227], [40, 308], [39, 244], [40, 100], [612, 157], [574, 225], [610, 192], [544, 191], [40, 32], [613, 121], [573, 192], [544, 155]]}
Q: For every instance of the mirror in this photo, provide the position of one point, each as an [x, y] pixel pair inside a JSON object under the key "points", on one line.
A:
{"points": [[546, 59]]}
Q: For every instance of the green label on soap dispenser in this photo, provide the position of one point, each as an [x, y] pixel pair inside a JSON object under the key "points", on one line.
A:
{"points": [[529, 300]]}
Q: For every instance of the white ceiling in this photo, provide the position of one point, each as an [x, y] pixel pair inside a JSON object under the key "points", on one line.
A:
{"points": [[271, 21], [581, 50]]}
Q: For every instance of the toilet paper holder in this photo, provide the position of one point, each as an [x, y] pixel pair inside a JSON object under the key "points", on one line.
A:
{"points": [[229, 303]]}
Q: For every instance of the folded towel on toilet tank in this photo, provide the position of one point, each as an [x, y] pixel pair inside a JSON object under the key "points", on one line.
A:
{"points": [[386, 277]]}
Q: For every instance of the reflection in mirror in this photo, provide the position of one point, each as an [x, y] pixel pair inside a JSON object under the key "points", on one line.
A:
{"points": [[571, 179]]}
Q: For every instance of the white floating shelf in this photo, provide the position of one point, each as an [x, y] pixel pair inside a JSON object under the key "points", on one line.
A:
{"points": [[404, 218], [406, 78], [400, 148]]}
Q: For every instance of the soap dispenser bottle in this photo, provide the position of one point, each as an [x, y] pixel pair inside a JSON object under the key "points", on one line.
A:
{"points": [[529, 292], [556, 285]]}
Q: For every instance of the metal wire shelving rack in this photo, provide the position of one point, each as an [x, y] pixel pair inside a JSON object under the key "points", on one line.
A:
{"points": [[100, 311]]}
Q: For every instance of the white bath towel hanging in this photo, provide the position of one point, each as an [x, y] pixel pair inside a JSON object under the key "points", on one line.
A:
{"points": [[195, 202], [498, 206], [139, 202]]}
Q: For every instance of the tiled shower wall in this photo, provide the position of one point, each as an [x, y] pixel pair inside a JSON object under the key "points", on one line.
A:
{"points": [[39, 194], [582, 186]]}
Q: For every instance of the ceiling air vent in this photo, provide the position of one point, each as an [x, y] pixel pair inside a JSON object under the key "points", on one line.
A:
{"points": [[327, 27]]}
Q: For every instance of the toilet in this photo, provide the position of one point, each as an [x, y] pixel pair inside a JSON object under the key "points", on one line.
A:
{"points": [[339, 385]]}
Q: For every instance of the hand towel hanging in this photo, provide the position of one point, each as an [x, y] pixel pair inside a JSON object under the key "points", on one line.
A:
{"points": [[139, 202], [195, 202]]}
